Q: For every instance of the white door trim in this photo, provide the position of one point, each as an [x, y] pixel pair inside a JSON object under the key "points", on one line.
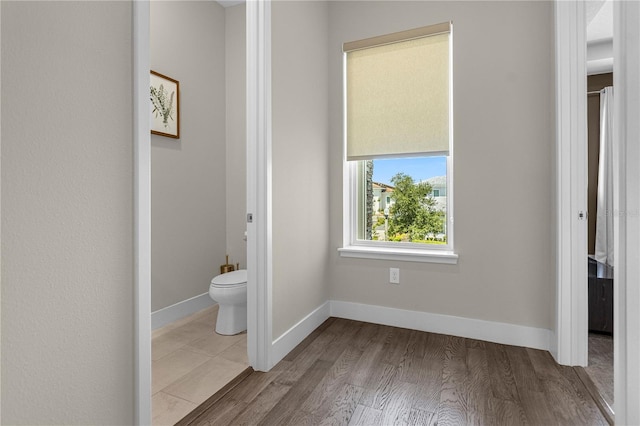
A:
{"points": [[258, 195], [571, 186], [626, 47], [259, 234], [142, 213], [571, 301]]}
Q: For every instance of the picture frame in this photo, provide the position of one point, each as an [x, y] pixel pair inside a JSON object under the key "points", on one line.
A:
{"points": [[165, 105]]}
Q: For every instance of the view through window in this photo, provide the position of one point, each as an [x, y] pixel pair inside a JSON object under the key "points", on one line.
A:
{"points": [[403, 200]]}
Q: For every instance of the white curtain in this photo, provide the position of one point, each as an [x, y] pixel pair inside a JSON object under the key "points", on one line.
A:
{"points": [[604, 218]]}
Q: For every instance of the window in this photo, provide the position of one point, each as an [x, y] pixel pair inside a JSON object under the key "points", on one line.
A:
{"points": [[398, 140]]}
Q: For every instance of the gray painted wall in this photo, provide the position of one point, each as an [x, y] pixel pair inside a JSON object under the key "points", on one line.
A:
{"points": [[503, 83], [67, 213], [235, 62], [188, 175], [300, 160], [504, 133]]}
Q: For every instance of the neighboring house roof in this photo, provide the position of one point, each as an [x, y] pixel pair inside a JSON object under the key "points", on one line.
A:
{"points": [[383, 186], [436, 181]]}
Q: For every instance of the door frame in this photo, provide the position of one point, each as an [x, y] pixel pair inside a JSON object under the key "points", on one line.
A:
{"points": [[626, 130], [142, 212], [258, 197], [259, 193], [570, 344]]}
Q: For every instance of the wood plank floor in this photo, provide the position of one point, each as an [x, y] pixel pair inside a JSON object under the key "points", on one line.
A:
{"points": [[354, 373]]}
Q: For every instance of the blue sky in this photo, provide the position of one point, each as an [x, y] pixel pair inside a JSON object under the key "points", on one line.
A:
{"points": [[418, 168]]}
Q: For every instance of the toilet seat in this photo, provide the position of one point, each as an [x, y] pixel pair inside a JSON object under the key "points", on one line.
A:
{"points": [[228, 285], [230, 279]]}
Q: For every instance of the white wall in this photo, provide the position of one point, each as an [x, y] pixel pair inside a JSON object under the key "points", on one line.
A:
{"points": [[67, 213], [188, 175], [236, 92], [300, 160], [503, 82]]}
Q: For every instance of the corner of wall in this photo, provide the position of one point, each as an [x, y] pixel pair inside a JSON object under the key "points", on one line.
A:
{"points": [[296, 334]]}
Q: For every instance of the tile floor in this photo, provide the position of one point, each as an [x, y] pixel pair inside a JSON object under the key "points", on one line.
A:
{"points": [[190, 362]]}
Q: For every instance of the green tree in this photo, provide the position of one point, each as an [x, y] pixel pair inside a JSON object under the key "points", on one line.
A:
{"points": [[413, 213], [369, 196]]}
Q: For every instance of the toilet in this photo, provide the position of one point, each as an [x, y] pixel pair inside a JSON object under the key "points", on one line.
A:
{"points": [[230, 291]]}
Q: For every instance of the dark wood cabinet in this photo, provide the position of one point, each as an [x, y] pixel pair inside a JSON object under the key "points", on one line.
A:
{"points": [[600, 297]]}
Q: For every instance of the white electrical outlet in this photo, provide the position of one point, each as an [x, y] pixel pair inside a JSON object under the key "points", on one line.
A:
{"points": [[394, 275]]}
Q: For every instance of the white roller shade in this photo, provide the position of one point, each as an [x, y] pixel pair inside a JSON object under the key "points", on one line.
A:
{"points": [[397, 94]]}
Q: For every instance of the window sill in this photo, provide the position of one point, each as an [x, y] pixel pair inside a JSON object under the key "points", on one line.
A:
{"points": [[404, 255]]}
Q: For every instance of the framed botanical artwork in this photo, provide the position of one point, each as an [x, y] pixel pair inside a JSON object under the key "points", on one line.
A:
{"points": [[165, 106]]}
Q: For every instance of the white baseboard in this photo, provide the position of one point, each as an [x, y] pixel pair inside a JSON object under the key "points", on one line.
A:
{"points": [[507, 334], [179, 310], [296, 334], [553, 345]]}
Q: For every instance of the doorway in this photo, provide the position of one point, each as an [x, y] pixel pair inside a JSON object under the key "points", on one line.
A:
{"points": [[598, 374], [142, 232], [197, 194], [571, 330]]}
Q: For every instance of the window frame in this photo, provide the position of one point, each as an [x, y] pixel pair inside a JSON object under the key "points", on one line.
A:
{"points": [[390, 250]]}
